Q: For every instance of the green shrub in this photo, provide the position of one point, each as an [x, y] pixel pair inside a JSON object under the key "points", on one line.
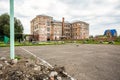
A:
{"points": [[18, 57]]}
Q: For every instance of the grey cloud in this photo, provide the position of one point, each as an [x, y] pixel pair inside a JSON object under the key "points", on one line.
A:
{"points": [[108, 23], [117, 7], [21, 15], [83, 3], [75, 1], [84, 10], [77, 4], [35, 7], [89, 4], [4, 0], [19, 2], [2, 11]]}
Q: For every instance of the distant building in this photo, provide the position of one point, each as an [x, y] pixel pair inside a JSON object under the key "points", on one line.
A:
{"points": [[110, 33], [44, 28], [67, 30], [56, 30], [80, 30], [66, 27], [41, 27]]}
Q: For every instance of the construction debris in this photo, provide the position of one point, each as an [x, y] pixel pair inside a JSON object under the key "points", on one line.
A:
{"points": [[26, 69]]}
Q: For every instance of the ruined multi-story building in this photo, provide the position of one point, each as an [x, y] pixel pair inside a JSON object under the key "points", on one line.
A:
{"points": [[44, 28], [41, 28], [56, 30], [80, 30]]}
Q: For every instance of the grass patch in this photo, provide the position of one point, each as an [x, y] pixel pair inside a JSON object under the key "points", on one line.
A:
{"points": [[18, 57], [2, 44], [117, 43], [88, 41], [32, 58]]}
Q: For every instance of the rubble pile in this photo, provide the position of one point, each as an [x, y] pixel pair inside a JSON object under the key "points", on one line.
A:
{"points": [[26, 69]]}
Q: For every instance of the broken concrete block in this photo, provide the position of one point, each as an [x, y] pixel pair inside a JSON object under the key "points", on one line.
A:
{"points": [[14, 61], [53, 73], [6, 62], [1, 66], [2, 58], [59, 78], [37, 68]]}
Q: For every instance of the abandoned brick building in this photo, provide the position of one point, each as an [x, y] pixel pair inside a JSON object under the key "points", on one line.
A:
{"points": [[44, 28]]}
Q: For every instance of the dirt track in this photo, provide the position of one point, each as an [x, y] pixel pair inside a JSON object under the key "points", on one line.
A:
{"points": [[83, 62]]}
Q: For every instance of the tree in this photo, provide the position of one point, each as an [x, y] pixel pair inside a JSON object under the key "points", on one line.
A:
{"points": [[5, 26], [4, 23], [18, 29], [91, 37]]}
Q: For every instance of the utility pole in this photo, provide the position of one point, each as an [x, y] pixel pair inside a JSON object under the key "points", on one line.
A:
{"points": [[12, 54]]}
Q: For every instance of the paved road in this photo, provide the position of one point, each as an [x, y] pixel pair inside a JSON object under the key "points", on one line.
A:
{"points": [[85, 62]]}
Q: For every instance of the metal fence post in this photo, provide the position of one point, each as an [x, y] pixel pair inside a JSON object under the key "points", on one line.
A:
{"points": [[12, 55]]}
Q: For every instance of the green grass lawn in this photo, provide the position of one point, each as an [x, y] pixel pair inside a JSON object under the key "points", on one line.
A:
{"points": [[117, 43], [2, 44]]}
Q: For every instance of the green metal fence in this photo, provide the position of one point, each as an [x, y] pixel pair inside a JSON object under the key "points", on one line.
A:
{"points": [[1, 38], [4, 39]]}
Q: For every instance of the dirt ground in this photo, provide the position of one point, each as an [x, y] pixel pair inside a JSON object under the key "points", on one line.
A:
{"points": [[83, 62]]}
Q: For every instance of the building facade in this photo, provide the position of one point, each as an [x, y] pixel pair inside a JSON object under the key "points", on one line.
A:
{"points": [[56, 30], [44, 28], [41, 28], [67, 30], [80, 30]]}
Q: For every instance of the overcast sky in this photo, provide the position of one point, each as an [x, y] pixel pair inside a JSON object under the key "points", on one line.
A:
{"points": [[100, 14]]}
